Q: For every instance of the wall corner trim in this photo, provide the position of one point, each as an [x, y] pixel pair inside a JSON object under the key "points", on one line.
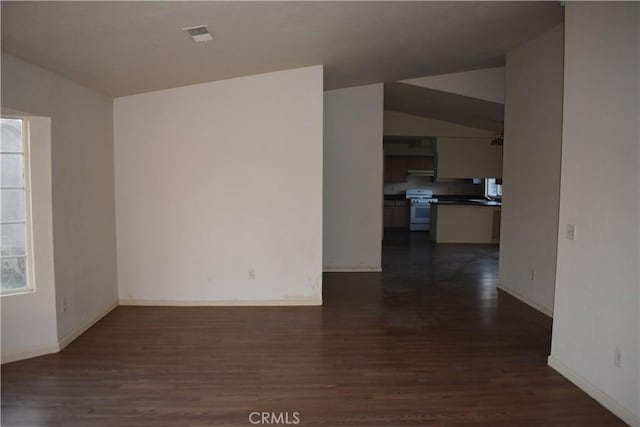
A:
{"points": [[600, 396], [69, 338], [526, 300]]}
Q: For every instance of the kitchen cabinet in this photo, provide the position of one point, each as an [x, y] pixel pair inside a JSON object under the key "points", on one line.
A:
{"points": [[396, 167], [388, 213], [468, 158], [396, 214], [462, 223], [420, 163], [495, 234], [401, 214], [387, 168]]}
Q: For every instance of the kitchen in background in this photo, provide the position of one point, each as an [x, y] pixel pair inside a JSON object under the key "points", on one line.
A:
{"points": [[426, 179]]}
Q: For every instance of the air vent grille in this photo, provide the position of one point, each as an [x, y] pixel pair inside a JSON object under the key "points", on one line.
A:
{"points": [[199, 33]]}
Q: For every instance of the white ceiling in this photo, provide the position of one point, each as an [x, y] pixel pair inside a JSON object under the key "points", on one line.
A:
{"points": [[122, 48]]}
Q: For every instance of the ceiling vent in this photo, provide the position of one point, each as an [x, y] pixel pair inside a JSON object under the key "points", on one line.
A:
{"points": [[199, 33]]}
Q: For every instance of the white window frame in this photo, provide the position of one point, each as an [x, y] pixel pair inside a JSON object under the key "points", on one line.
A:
{"points": [[28, 217]]}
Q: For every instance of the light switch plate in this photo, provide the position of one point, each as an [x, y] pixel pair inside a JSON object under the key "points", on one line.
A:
{"points": [[571, 232]]}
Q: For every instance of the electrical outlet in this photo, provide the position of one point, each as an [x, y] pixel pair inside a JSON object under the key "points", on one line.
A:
{"points": [[252, 274], [571, 232], [533, 275], [617, 357], [64, 305]]}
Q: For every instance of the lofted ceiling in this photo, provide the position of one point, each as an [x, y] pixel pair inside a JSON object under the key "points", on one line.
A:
{"points": [[122, 48], [447, 106]]}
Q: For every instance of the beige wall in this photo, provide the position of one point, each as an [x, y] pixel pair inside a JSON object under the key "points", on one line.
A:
{"points": [[352, 231], [531, 171], [596, 307], [468, 158], [486, 83], [401, 124], [216, 179], [82, 188]]}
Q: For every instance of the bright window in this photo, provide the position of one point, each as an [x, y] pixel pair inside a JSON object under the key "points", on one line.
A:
{"points": [[492, 189], [15, 209]]}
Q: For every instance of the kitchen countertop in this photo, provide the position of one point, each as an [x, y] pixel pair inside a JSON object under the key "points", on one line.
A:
{"points": [[395, 196], [403, 195], [450, 199], [469, 202]]}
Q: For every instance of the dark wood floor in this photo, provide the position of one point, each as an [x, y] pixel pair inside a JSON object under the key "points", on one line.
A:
{"points": [[427, 342]]}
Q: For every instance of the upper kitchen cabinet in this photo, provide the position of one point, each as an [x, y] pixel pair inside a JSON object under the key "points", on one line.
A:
{"points": [[395, 169], [420, 163], [398, 168], [468, 158]]}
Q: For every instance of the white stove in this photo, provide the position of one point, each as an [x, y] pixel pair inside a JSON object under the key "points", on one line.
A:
{"points": [[420, 218]]}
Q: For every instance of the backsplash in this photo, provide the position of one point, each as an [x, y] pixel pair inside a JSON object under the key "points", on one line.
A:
{"points": [[437, 187]]}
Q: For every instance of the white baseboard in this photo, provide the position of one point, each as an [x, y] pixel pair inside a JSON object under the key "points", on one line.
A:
{"points": [[29, 353], [70, 337], [604, 399], [298, 301], [527, 301], [352, 269]]}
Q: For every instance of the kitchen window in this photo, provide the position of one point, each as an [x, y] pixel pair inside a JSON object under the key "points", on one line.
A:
{"points": [[15, 208], [492, 188]]}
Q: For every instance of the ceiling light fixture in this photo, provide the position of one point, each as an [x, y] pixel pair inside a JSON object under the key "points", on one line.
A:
{"points": [[199, 33], [498, 139]]}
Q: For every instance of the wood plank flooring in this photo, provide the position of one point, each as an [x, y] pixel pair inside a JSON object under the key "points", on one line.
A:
{"points": [[429, 342]]}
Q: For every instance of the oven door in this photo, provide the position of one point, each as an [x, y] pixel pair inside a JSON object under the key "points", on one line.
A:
{"points": [[420, 216]]}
